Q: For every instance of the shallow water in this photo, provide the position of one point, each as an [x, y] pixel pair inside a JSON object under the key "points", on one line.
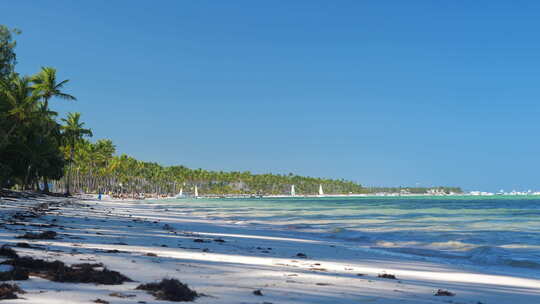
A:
{"points": [[467, 230]]}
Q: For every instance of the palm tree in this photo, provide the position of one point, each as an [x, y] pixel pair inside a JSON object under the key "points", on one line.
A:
{"points": [[18, 113], [47, 87], [21, 103], [74, 131]]}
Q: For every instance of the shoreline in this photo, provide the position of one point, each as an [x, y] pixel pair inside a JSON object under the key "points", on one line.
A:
{"points": [[93, 196], [227, 263]]}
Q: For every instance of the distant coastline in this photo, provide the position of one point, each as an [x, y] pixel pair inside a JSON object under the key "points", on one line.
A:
{"points": [[359, 195]]}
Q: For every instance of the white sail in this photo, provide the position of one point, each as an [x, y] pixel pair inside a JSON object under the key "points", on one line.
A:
{"points": [[196, 191], [320, 190], [181, 193], [293, 193]]}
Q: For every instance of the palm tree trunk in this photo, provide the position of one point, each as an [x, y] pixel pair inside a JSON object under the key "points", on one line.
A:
{"points": [[46, 103], [45, 185], [68, 178]]}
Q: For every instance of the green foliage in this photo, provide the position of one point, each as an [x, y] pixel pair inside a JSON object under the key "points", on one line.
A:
{"points": [[96, 168], [8, 59], [47, 87], [30, 136]]}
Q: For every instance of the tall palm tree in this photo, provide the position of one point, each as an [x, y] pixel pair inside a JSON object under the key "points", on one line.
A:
{"points": [[19, 102], [18, 113], [47, 87], [74, 131]]}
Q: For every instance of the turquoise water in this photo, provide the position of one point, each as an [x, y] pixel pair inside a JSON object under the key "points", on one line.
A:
{"points": [[475, 230]]}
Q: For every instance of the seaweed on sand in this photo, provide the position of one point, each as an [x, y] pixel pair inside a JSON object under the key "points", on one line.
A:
{"points": [[26, 245], [444, 293], [85, 273], [387, 276], [14, 274], [170, 290], [7, 251], [9, 291], [59, 272], [46, 235]]}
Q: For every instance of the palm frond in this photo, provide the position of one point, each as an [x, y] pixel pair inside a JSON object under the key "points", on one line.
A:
{"points": [[66, 96]]}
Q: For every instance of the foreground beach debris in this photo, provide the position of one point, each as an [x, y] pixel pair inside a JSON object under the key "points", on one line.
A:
{"points": [[444, 293], [170, 290], [387, 276], [46, 235], [57, 271], [7, 251], [10, 291]]}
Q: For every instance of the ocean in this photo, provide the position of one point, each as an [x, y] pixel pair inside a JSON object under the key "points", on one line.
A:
{"points": [[498, 231]]}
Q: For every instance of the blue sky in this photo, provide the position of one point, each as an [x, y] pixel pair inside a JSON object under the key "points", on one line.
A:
{"points": [[380, 92]]}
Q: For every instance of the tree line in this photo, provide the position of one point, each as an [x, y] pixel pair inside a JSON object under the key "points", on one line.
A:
{"points": [[38, 149], [33, 140], [96, 167]]}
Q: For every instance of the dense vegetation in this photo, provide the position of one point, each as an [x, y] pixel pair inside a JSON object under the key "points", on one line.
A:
{"points": [[30, 137], [37, 148], [96, 168]]}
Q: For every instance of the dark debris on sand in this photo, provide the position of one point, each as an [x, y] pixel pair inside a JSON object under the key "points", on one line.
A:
{"points": [[19, 194], [444, 293], [121, 295], [8, 252], [14, 274], [46, 235], [170, 290], [26, 245], [59, 272], [387, 276], [9, 291]]}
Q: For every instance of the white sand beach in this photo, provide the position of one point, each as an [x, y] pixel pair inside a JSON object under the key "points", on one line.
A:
{"points": [[227, 263]]}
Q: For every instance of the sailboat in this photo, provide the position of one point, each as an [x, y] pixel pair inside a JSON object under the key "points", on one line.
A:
{"points": [[181, 193], [321, 193], [293, 193], [196, 191]]}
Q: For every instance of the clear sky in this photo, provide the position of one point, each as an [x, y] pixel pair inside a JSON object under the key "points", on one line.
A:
{"points": [[380, 92]]}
